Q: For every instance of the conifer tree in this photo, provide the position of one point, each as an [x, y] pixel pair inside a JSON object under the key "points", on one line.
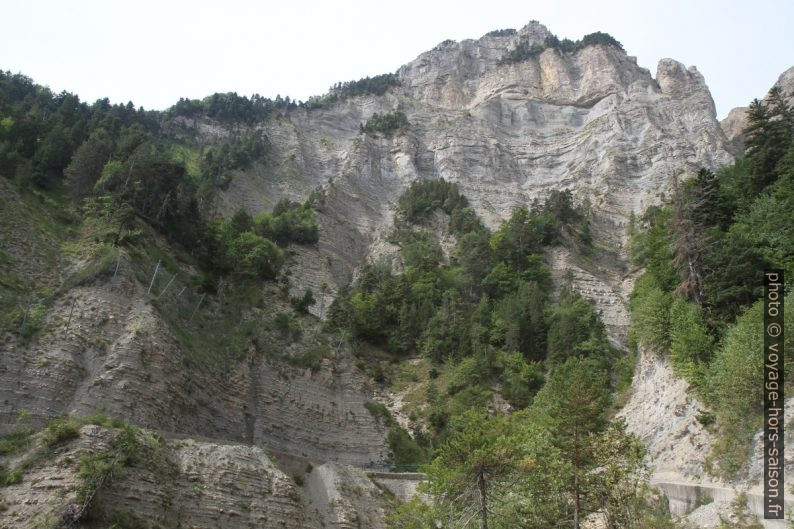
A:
{"points": [[573, 405]]}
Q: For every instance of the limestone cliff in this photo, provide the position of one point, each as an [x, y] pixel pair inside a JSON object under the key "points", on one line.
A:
{"points": [[592, 121]]}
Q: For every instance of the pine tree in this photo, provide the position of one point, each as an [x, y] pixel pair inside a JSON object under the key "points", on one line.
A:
{"points": [[88, 161], [768, 138], [473, 468], [573, 404]]}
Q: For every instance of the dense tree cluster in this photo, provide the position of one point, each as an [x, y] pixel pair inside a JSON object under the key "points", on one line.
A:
{"points": [[387, 124], [704, 254], [40, 131], [238, 152], [122, 169], [340, 91], [250, 246], [487, 313], [524, 50], [553, 464], [232, 108]]}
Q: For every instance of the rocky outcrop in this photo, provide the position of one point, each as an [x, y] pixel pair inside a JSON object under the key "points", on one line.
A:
{"points": [[662, 412], [343, 497], [204, 485], [733, 126], [737, 120]]}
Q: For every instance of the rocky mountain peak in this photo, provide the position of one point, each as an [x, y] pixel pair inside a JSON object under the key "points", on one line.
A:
{"points": [[534, 31], [461, 75], [675, 79]]}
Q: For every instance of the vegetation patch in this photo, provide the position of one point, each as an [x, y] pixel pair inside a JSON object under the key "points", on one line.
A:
{"points": [[37, 447], [524, 51], [704, 253], [501, 33], [377, 85], [387, 124]]}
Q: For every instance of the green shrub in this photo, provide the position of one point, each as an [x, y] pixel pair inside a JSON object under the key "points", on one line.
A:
{"points": [[734, 387], [377, 85], [466, 373], [387, 124], [524, 51], [287, 325], [18, 438], [404, 448], [501, 32], [101, 264], [690, 344], [650, 313], [706, 418], [237, 152], [310, 358], [380, 412], [624, 371], [289, 222], [521, 380], [302, 303], [255, 256], [424, 196], [735, 378], [13, 477], [575, 329], [59, 431]]}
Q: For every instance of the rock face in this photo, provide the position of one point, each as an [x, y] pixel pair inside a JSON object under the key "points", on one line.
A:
{"points": [[121, 357], [733, 125], [206, 485], [345, 498], [662, 413], [592, 121], [192, 484]]}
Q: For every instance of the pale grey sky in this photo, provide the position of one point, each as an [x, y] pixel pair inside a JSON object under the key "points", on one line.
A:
{"points": [[154, 52]]}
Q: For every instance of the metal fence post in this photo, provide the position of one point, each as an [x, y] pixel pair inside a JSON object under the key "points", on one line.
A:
{"points": [[71, 311], [166, 287], [197, 307], [156, 268]]}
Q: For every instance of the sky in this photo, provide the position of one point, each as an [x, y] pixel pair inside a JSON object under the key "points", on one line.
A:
{"points": [[154, 52]]}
